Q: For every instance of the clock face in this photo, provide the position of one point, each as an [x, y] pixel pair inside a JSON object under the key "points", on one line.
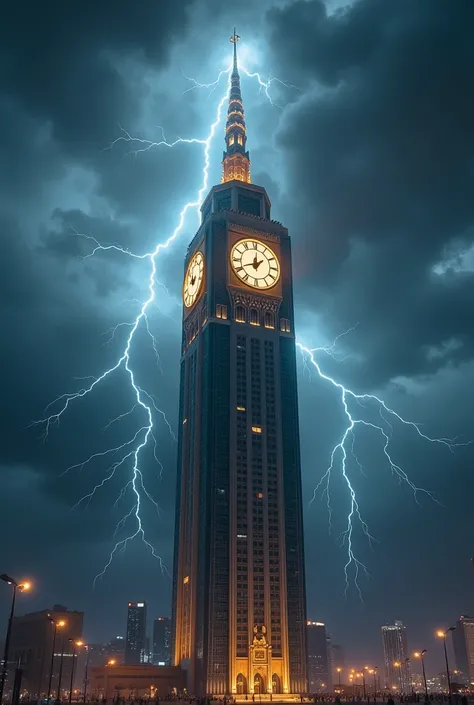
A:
{"points": [[255, 264], [193, 279]]}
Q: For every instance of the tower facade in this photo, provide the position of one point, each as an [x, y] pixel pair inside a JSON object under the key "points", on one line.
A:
{"points": [[239, 608]]}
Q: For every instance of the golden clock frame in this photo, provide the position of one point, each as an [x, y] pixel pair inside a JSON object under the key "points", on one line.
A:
{"points": [[188, 309], [238, 233]]}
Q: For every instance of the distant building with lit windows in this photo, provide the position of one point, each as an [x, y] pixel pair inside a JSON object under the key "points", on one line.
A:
{"points": [[161, 641], [463, 643], [319, 658], [135, 640], [31, 647], [396, 658]]}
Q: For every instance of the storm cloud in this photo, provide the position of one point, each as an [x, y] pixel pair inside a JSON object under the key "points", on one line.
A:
{"points": [[368, 158]]}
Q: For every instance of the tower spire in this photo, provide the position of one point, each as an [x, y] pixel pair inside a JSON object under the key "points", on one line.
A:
{"points": [[236, 161], [234, 39]]}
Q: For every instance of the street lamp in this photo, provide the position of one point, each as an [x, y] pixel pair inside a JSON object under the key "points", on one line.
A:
{"points": [[442, 635], [62, 624], [339, 675], [406, 672], [22, 587], [86, 670], [373, 672], [74, 644], [420, 655], [363, 680]]}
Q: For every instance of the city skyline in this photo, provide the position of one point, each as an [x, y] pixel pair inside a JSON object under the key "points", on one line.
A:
{"points": [[373, 191], [112, 646]]}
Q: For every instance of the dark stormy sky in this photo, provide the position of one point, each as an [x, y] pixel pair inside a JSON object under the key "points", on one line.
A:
{"points": [[369, 160]]}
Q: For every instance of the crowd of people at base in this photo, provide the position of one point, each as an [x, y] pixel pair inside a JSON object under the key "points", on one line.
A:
{"points": [[391, 699], [229, 700]]}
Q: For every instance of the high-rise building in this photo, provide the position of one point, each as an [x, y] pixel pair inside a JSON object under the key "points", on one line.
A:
{"points": [[396, 657], [161, 641], [319, 658], [135, 641], [31, 648], [239, 614], [463, 643]]}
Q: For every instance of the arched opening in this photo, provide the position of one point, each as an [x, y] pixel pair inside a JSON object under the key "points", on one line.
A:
{"points": [[254, 317], [240, 314], [241, 684], [269, 320], [258, 684], [276, 684]]}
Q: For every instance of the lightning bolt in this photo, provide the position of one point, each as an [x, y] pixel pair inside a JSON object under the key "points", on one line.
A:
{"points": [[339, 453]]}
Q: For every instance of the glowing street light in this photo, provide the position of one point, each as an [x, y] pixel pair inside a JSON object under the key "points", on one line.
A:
{"points": [[442, 635], [74, 644], [339, 675], [86, 671], [397, 664], [61, 624], [363, 681], [112, 662], [22, 587], [420, 655], [373, 672]]}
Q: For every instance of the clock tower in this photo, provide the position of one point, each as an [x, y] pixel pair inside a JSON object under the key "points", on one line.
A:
{"points": [[239, 607]]}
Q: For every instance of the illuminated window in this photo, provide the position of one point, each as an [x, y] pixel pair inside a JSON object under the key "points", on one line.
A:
{"points": [[185, 421], [254, 317], [269, 320], [256, 429], [239, 139], [285, 325], [241, 408], [240, 314], [186, 579], [221, 311], [259, 495], [231, 139]]}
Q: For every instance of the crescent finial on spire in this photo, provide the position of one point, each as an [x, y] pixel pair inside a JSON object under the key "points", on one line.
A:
{"points": [[234, 39]]}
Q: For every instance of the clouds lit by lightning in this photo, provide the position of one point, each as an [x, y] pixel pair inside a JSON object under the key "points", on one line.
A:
{"points": [[145, 409], [144, 402], [339, 455]]}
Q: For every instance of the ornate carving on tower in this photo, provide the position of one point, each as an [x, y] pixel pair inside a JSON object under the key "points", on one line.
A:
{"points": [[263, 303], [261, 658], [236, 161]]}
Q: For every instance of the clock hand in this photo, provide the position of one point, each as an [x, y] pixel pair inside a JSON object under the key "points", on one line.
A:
{"points": [[256, 264], [193, 279]]}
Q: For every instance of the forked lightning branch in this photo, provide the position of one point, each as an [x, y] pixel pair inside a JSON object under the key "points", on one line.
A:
{"points": [[255, 271]]}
